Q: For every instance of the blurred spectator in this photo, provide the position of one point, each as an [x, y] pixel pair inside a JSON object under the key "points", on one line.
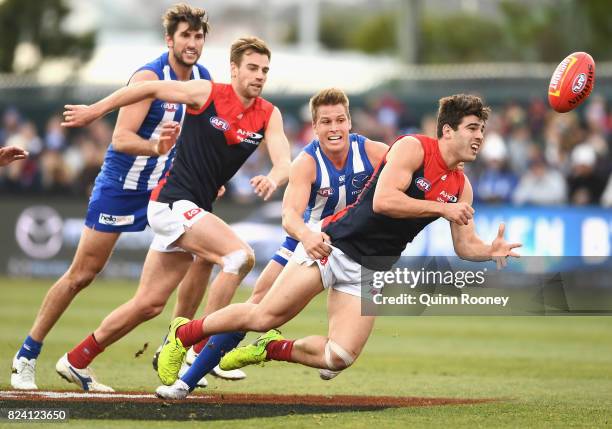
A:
{"points": [[585, 185], [540, 185], [496, 182], [11, 119], [55, 135], [606, 198]]}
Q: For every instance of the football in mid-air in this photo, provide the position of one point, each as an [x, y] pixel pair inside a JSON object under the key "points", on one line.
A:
{"points": [[572, 82]]}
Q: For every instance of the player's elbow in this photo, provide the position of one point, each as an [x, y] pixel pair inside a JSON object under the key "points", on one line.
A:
{"points": [[381, 204], [119, 140]]}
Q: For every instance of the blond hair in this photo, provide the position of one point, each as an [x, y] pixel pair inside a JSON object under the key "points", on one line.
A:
{"points": [[328, 97]]}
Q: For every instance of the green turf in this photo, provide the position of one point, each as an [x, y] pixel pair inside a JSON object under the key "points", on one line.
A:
{"points": [[546, 371]]}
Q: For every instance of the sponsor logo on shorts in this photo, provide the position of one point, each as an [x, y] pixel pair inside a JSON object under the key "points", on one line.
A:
{"points": [[284, 253], [219, 123], [326, 192], [359, 180], [423, 184], [323, 260], [170, 107], [579, 82], [191, 213], [114, 220]]}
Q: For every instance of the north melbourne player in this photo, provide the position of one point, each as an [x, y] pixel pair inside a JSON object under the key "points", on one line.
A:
{"points": [[139, 155]]}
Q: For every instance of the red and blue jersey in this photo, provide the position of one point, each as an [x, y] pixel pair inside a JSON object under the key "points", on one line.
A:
{"points": [[376, 241], [215, 142]]}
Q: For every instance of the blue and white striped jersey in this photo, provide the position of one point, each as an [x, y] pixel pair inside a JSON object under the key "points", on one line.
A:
{"points": [[141, 173], [335, 189]]}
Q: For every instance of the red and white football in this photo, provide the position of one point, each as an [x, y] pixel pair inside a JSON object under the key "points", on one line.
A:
{"points": [[572, 82]]}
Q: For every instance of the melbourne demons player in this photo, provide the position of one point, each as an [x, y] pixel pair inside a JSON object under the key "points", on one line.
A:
{"points": [[328, 175], [225, 124], [417, 182], [140, 152]]}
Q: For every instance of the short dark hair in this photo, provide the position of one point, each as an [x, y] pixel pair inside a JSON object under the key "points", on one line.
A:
{"points": [[454, 108], [245, 44], [194, 16], [328, 97]]}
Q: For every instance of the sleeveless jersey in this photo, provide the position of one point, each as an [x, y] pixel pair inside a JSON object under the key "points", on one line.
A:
{"points": [[214, 143], [334, 189], [141, 173], [376, 241]]}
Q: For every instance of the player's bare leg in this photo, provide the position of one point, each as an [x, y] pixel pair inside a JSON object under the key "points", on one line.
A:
{"points": [[93, 251], [213, 240], [192, 288], [265, 281], [347, 335], [160, 275]]}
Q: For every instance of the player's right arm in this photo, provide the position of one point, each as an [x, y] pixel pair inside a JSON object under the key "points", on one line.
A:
{"points": [[193, 93], [403, 159], [129, 120], [301, 177]]}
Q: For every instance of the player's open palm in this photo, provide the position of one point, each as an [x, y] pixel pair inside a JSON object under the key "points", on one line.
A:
{"points": [[78, 115], [317, 245], [168, 136], [460, 213], [501, 249]]}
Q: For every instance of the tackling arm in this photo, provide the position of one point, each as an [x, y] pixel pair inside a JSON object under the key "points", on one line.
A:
{"points": [[301, 177], [194, 93]]}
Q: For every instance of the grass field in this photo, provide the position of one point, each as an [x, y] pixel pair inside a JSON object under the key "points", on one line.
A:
{"points": [[542, 371]]}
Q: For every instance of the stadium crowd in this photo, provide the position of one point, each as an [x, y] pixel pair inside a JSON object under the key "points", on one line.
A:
{"points": [[531, 155]]}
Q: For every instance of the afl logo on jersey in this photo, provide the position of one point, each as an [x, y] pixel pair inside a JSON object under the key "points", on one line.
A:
{"points": [[423, 184], [170, 107], [326, 192], [219, 123]]}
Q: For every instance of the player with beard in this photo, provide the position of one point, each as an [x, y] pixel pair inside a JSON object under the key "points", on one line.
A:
{"points": [[140, 153], [225, 124]]}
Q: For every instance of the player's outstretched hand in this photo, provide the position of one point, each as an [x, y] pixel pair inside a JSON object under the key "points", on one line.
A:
{"points": [[263, 186], [460, 213], [9, 154], [78, 115], [317, 245], [501, 249], [167, 137]]}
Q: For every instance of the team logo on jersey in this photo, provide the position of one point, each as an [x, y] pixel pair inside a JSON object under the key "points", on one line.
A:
{"points": [[191, 213], [219, 123], [109, 219], [326, 192], [249, 137], [170, 107], [359, 180], [423, 184]]}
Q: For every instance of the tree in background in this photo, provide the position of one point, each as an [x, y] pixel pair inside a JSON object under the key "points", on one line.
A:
{"points": [[39, 23]]}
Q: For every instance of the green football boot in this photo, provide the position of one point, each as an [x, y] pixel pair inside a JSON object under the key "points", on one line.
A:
{"points": [[251, 353], [172, 354]]}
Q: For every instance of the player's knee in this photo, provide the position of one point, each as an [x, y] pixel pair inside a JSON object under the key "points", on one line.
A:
{"points": [[263, 322], [239, 262], [336, 357], [149, 309], [79, 279]]}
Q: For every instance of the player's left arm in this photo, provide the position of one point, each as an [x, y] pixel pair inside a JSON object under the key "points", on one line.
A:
{"points": [[375, 151], [469, 246], [280, 155]]}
